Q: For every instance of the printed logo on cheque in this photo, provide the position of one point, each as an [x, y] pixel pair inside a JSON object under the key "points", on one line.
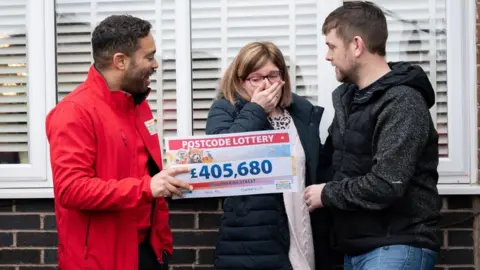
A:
{"points": [[283, 184]]}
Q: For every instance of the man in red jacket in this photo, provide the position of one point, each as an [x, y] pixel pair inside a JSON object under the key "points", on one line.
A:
{"points": [[106, 160]]}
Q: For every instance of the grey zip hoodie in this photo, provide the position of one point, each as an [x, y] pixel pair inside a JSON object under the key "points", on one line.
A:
{"points": [[384, 155]]}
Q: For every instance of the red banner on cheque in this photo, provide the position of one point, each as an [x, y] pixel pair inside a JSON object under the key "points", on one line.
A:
{"points": [[230, 141]]}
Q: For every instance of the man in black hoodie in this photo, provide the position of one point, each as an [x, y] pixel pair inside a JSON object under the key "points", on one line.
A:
{"points": [[382, 149]]}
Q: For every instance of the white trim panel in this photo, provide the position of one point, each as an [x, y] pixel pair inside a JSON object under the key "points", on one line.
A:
{"points": [[183, 65]]}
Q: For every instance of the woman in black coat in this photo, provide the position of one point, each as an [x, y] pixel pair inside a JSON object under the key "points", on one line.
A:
{"points": [[270, 231]]}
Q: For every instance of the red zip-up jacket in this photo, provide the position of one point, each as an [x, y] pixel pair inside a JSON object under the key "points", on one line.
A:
{"points": [[99, 194]]}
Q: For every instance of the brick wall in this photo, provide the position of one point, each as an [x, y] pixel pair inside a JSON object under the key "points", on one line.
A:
{"points": [[457, 235], [28, 236]]}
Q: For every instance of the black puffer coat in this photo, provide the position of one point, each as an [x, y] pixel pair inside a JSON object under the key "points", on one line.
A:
{"points": [[254, 230]]}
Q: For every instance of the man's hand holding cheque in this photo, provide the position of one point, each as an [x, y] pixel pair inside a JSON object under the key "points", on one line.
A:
{"points": [[313, 196], [164, 183]]}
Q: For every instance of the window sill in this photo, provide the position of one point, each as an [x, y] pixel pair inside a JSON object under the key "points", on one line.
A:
{"points": [[26, 193], [459, 189]]}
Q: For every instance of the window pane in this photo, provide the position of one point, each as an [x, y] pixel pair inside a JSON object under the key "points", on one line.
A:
{"points": [[417, 34], [221, 28], [74, 25], [13, 83]]}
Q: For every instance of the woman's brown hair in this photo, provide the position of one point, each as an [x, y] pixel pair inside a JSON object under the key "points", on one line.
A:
{"points": [[252, 57]]}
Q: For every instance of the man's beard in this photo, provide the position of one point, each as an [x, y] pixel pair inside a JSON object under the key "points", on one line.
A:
{"points": [[134, 80], [348, 75]]}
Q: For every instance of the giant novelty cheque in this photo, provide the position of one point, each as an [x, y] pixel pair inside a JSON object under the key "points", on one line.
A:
{"points": [[234, 164]]}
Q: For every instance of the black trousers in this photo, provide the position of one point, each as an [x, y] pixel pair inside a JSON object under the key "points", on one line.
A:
{"points": [[147, 260]]}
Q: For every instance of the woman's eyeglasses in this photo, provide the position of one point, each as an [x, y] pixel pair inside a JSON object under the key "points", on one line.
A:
{"points": [[256, 80]]}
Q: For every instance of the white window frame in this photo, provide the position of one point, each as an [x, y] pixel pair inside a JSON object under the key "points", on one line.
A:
{"points": [[183, 66], [458, 173], [21, 180], [460, 176]]}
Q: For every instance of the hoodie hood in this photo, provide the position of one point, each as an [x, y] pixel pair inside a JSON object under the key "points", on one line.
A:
{"points": [[406, 74]]}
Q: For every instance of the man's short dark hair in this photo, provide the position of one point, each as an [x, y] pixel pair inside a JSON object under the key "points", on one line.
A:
{"points": [[359, 18], [117, 34]]}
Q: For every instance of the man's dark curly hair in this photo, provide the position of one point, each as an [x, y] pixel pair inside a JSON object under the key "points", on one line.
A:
{"points": [[117, 34]]}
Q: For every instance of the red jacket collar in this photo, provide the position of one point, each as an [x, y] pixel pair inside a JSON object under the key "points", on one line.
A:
{"points": [[117, 98]]}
